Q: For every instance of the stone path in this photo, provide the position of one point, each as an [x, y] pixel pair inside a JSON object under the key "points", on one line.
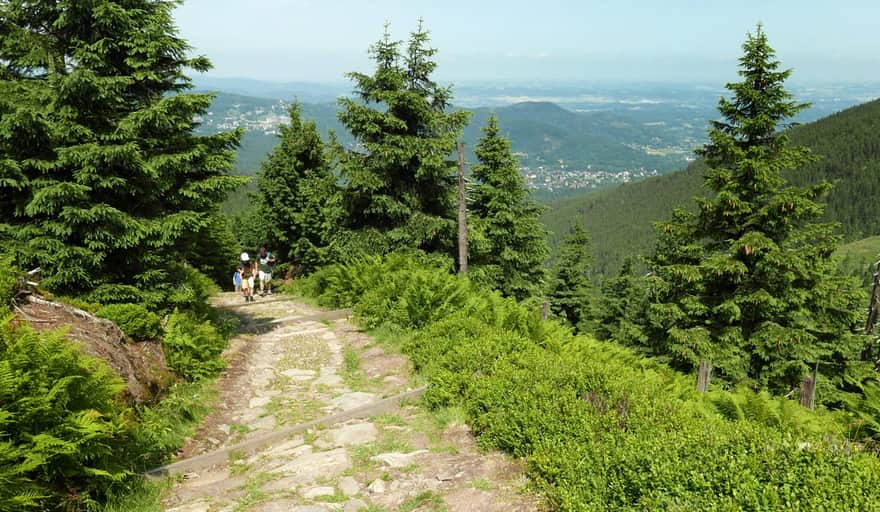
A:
{"points": [[292, 367]]}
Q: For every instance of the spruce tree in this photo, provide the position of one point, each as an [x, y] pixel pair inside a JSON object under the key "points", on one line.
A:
{"points": [[101, 177], [511, 257], [749, 281], [399, 186], [298, 201], [621, 311], [571, 292]]}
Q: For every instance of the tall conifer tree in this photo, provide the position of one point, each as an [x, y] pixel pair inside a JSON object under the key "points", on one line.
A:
{"points": [[399, 188], [298, 203], [571, 292], [101, 177], [749, 281], [514, 242]]}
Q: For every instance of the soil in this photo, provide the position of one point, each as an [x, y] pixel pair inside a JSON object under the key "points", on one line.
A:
{"points": [[290, 367], [141, 365]]}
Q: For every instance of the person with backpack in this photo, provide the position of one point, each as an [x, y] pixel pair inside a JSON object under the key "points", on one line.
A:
{"points": [[247, 270], [266, 266]]}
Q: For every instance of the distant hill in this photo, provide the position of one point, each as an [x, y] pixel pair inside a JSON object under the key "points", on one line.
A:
{"points": [[541, 132], [620, 219], [545, 133]]}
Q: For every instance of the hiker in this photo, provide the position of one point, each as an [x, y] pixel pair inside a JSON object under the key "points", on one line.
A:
{"points": [[246, 267], [266, 266], [236, 280]]}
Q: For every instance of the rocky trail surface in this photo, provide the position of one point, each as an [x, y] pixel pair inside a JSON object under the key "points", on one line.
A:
{"points": [[310, 418]]}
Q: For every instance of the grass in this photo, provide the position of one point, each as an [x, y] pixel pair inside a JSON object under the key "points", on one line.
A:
{"points": [[141, 496], [389, 442], [352, 376], [481, 484], [387, 419], [421, 500], [432, 424], [390, 338], [237, 463], [288, 411], [253, 494], [857, 258]]}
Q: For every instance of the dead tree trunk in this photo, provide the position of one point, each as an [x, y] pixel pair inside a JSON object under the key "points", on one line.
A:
{"points": [[462, 215], [545, 310], [875, 302], [704, 376], [808, 389]]}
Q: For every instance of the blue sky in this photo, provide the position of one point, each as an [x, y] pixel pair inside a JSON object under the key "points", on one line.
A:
{"points": [[622, 40]]}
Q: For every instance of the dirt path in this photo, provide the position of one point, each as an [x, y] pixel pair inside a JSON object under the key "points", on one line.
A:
{"points": [[296, 364]]}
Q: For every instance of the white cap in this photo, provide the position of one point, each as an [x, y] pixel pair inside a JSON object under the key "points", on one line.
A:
{"points": [[245, 257]]}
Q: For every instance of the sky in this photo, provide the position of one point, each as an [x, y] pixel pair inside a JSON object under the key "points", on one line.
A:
{"points": [[683, 41]]}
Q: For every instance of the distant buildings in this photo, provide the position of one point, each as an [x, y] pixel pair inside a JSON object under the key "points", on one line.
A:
{"points": [[564, 177], [258, 119]]}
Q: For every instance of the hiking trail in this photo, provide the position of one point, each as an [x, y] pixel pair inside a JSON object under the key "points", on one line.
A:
{"points": [[373, 447]]}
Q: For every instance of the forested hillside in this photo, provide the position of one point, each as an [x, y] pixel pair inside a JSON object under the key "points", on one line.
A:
{"points": [[621, 219]]}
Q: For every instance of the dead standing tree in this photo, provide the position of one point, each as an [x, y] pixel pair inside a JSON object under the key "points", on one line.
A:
{"points": [[875, 302], [462, 215], [704, 376]]}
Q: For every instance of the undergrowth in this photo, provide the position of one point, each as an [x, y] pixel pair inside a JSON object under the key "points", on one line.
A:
{"points": [[602, 428], [68, 439]]}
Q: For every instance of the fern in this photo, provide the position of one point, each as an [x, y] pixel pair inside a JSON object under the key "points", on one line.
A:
{"points": [[61, 424]]}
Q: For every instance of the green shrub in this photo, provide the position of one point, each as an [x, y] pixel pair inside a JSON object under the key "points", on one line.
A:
{"points": [[8, 282], [117, 294], [191, 292], [61, 423], [192, 346], [178, 287], [136, 321]]}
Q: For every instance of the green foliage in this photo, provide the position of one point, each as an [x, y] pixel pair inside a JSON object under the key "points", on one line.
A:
{"points": [[61, 423], [101, 178], [621, 308], [298, 203], [749, 281], [857, 259], [571, 294], [193, 346], [398, 188], [8, 282], [601, 427], [136, 321], [509, 245], [217, 249], [175, 287]]}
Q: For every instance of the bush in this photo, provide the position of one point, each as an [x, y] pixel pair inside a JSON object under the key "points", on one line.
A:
{"points": [[8, 282], [191, 291], [601, 427], [135, 320], [193, 347], [61, 422], [179, 287]]}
